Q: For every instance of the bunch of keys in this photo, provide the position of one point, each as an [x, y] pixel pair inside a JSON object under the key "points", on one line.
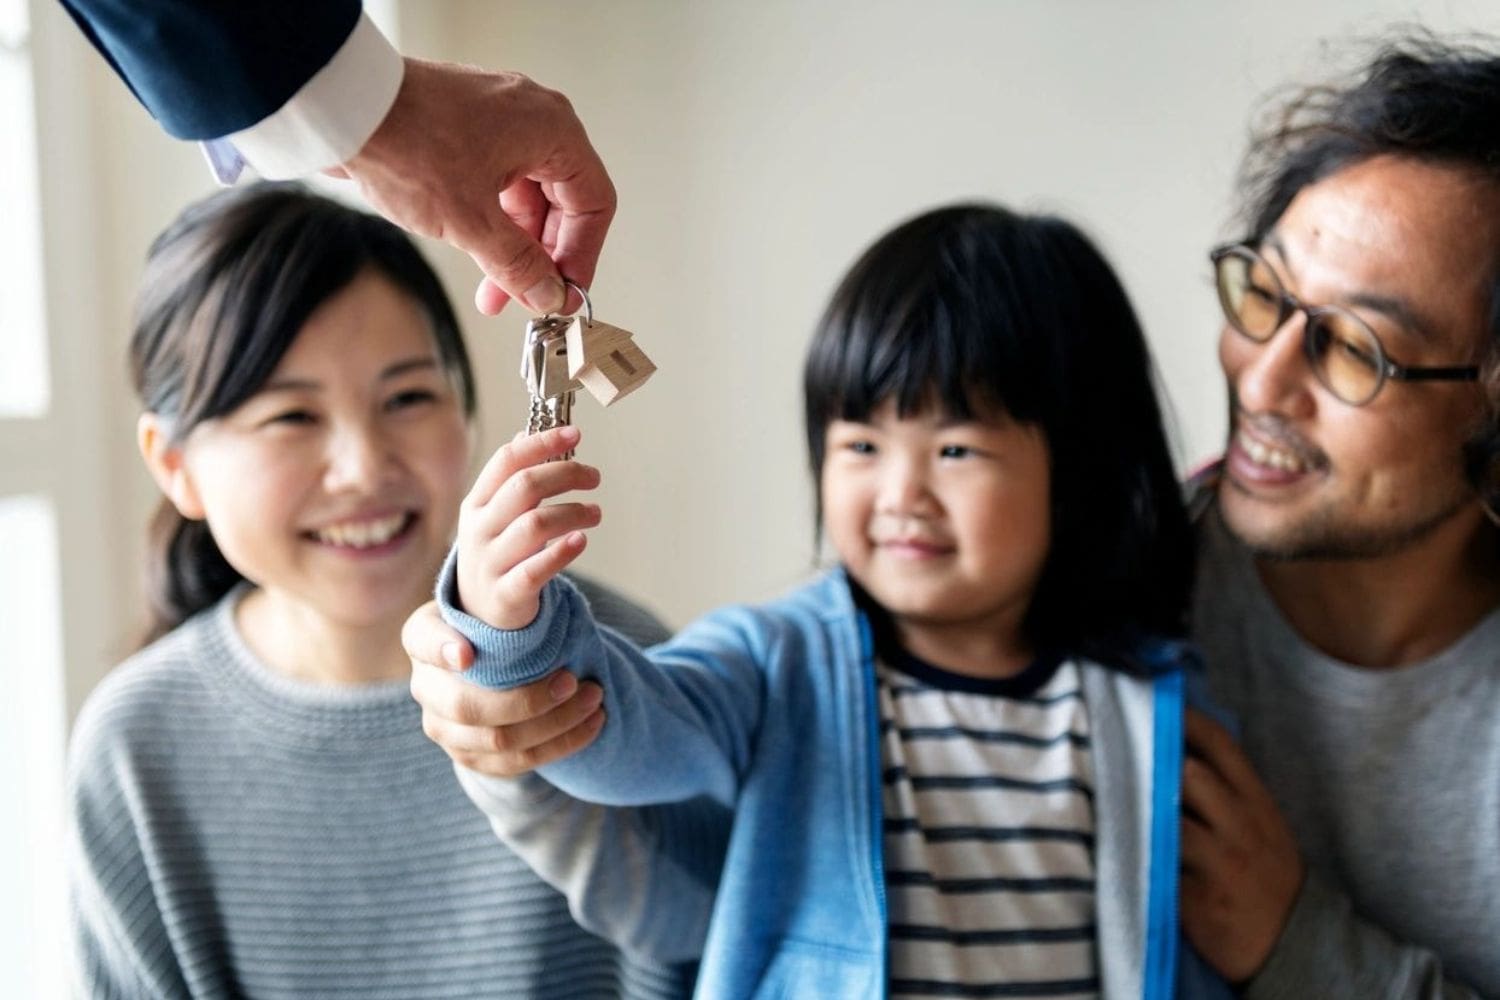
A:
{"points": [[562, 354]]}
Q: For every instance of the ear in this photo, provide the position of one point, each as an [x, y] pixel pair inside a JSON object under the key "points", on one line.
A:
{"points": [[165, 461]]}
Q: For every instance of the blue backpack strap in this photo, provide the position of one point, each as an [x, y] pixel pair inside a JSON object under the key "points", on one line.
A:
{"points": [[1166, 810], [1172, 968]]}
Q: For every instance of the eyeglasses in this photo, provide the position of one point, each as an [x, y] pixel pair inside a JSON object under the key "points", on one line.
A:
{"points": [[1342, 350]]}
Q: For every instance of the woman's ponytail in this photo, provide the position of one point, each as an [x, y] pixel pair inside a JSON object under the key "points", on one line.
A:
{"points": [[185, 571]]}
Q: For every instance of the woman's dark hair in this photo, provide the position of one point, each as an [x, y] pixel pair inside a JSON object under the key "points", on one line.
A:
{"points": [[227, 288], [980, 310], [1419, 97]]}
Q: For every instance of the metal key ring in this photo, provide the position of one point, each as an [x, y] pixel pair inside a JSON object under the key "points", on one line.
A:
{"points": [[588, 307]]}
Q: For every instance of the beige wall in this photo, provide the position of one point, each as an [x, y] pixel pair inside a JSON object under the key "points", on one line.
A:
{"points": [[756, 148]]}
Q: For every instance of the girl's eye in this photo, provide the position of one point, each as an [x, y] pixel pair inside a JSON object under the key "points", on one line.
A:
{"points": [[860, 447], [956, 451], [411, 397]]}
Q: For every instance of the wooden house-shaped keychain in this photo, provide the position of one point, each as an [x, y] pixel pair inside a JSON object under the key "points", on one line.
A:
{"points": [[606, 360]]}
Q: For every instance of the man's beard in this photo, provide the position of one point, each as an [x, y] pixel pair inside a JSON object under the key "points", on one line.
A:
{"points": [[1321, 537]]}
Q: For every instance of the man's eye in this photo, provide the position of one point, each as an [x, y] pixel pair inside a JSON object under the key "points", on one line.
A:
{"points": [[1261, 295]]}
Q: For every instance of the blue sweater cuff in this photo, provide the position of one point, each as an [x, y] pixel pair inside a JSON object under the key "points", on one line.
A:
{"points": [[507, 658]]}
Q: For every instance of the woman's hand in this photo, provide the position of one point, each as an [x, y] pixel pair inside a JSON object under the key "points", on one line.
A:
{"points": [[499, 733]]}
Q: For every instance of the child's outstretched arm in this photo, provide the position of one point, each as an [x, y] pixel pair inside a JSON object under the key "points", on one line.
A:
{"points": [[677, 724]]}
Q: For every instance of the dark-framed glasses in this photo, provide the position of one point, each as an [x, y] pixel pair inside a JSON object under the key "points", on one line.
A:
{"points": [[1343, 352]]}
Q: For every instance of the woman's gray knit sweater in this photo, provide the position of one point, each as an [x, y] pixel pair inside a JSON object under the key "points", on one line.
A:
{"points": [[238, 834]]}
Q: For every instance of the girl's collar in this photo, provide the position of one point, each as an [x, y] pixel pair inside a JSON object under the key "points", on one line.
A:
{"points": [[888, 650]]}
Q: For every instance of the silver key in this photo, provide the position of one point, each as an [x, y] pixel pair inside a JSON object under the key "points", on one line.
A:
{"points": [[544, 367]]}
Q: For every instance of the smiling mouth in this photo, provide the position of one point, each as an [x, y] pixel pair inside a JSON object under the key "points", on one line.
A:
{"points": [[1271, 456], [366, 534], [914, 548]]}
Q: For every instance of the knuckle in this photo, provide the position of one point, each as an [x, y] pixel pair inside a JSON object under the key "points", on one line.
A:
{"points": [[515, 586], [534, 577], [465, 711], [526, 482], [578, 738], [521, 261], [556, 98], [587, 708], [534, 700], [502, 740], [527, 760], [536, 522]]}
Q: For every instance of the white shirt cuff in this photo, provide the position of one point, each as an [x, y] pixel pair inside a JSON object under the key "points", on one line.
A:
{"points": [[333, 115]]}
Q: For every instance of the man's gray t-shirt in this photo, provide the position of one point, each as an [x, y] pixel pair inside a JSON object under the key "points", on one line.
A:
{"points": [[1390, 780]]}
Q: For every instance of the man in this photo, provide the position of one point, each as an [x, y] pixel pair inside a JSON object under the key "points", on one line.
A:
{"points": [[491, 162], [1350, 568], [1349, 572]]}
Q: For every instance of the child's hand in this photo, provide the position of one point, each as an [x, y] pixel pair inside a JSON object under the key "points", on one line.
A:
{"points": [[504, 558]]}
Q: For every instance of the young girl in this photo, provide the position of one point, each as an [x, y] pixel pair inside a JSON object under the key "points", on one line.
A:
{"points": [[256, 812], [953, 763]]}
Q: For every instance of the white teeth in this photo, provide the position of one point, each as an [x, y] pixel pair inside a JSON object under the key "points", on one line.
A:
{"points": [[362, 534], [1275, 458]]}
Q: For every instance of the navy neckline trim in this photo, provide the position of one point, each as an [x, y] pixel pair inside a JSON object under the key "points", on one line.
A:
{"points": [[888, 649]]}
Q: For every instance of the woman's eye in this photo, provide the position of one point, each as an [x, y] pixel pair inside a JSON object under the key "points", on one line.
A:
{"points": [[956, 451], [860, 447], [411, 397], [294, 418]]}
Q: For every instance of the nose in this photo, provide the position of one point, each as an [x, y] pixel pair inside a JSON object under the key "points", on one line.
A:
{"points": [[1270, 377], [904, 488], [359, 458]]}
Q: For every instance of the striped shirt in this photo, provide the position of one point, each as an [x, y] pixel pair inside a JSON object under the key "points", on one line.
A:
{"points": [[989, 832]]}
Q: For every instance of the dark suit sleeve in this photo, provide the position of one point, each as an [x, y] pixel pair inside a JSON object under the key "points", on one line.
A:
{"points": [[210, 68]]}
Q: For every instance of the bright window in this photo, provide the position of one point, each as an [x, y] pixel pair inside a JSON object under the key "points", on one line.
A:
{"points": [[33, 898], [32, 914], [23, 345]]}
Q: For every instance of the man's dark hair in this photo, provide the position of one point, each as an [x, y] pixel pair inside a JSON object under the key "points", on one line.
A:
{"points": [[1419, 97], [977, 310]]}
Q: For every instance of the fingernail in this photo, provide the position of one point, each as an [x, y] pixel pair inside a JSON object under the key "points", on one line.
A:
{"points": [[546, 296], [453, 654], [569, 434], [563, 685], [592, 695]]}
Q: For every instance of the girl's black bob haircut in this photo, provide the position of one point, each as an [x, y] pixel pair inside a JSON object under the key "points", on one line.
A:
{"points": [[981, 311]]}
